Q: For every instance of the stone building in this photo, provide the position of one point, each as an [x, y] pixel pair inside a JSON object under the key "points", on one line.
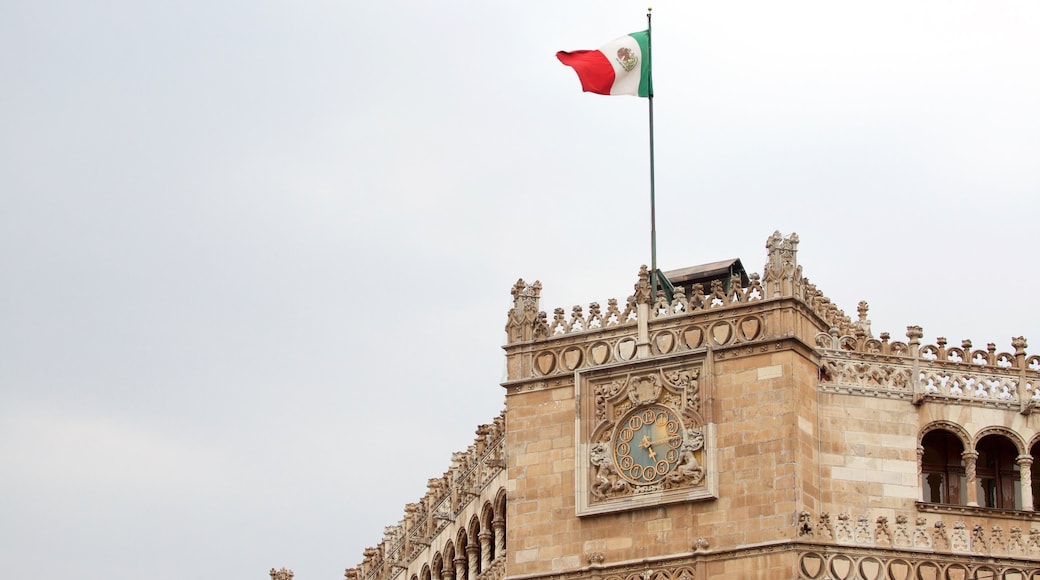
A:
{"points": [[733, 425]]}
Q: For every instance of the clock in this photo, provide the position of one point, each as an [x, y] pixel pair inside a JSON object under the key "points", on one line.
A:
{"points": [[646, 444]]}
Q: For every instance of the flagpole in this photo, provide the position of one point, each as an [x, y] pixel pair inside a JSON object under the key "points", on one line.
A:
{"points": [[653, 217]]}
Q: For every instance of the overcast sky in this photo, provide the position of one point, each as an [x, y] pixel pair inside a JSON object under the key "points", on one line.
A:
{"points": [[255, 257]]}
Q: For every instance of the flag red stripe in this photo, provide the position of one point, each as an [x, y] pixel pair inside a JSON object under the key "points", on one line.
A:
{"points": [[594, 70]]}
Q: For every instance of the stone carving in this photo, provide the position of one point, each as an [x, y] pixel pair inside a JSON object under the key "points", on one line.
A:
{"points": [[642, 286], [826, 531], [1034, 542], [865, 374], [607, 481], [605, 391], [577, 322], [1016, 544], [863, 534], [805, 525], [959, 541], [997, 545], [843, 533], [595, 557], [978, 539], [282, 574], [939, 539], [921, 539], [969, 465], [689, 469], [780, 271], [701, 544], [902, 537], [687, 381], [881, 534], [644, 389], [520, 324], [661, 306]]}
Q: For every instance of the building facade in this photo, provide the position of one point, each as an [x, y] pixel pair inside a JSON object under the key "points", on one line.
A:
{"points": [[733, 425]]}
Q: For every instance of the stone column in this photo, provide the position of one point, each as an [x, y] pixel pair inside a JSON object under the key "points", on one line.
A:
{"points": [[485, 550], [969, 458], [920, 474], [447, 573], [473, 559], [460, 568], [1025, 475], [499, 525]]}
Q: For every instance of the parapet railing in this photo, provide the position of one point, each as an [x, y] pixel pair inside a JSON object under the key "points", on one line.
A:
{"points": [[863, 363]]}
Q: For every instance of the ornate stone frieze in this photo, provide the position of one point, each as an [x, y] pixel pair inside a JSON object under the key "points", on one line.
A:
{"points": [[783, 279], [662, 572], [850, 365], [817, 564], [861, 364], [979, 537]]}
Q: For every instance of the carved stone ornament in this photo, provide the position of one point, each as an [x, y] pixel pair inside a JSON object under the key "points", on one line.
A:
{"points": [[644, 389], [643, 435]]}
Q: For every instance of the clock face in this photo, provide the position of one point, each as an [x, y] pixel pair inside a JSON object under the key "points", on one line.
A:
{"points": [[646, 444]]}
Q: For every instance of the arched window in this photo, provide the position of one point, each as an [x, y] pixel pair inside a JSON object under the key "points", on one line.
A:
{"points": [[997, 473], [942, 469]]}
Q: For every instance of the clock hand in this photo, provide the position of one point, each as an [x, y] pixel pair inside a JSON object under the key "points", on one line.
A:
{"points": [[645, 443]]}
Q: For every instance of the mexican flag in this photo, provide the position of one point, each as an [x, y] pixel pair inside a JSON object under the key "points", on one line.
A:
{"points": [[620, 67]]}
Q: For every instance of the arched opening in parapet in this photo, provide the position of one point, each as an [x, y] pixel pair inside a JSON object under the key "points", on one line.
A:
{"points": [[943, 479], [998, 476]]}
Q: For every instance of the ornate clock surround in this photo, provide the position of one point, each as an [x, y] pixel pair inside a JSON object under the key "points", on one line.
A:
{"points": [[644, 434]]}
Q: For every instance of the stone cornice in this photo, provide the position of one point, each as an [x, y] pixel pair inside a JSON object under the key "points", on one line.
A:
{"points": [[977, 512]]}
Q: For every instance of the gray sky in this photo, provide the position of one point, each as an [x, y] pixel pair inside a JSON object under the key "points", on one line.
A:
{"points": [[256, 256]]}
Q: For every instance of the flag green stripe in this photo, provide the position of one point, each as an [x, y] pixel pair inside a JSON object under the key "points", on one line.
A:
{"points": [[646, 83]]}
